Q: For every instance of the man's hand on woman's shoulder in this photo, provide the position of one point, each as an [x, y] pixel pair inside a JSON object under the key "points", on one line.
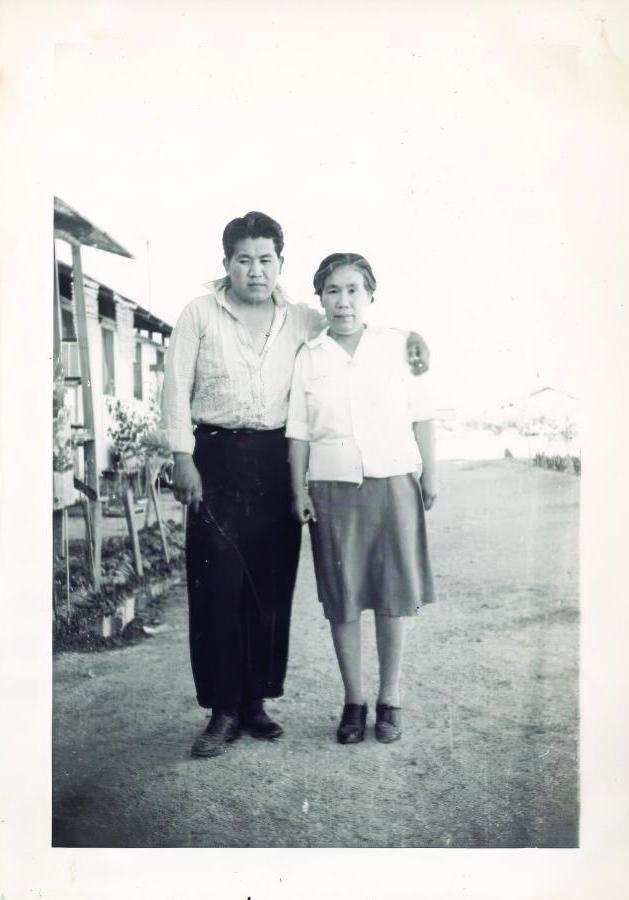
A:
{"points": [[418, 353]]}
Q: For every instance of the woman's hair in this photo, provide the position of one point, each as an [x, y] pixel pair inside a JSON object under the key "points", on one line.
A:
{"points": [[335, 261], [252, 225]]}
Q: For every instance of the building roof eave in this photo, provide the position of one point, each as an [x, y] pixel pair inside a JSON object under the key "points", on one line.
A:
{"points": [[70, 225]]}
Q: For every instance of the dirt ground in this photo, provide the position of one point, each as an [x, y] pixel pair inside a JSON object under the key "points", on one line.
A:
{"points": [[490, 695]]}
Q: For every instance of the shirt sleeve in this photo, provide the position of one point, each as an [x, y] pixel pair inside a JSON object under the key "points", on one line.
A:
{"points": [[316, 321], [179, 370], [419, 397], [417, 387], [297, 423]]}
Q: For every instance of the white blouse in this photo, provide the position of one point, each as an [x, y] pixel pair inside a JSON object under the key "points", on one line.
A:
{"points": [[358, 412]]}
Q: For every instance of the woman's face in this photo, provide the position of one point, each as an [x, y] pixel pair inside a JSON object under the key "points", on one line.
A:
{"points": [[345, 300]]}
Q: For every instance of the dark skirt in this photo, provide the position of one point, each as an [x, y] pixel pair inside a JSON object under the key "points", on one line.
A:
{"points": [[370, 548], [242, 552]]}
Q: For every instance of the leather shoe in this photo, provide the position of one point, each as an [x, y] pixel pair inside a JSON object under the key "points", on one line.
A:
{"points": [[260, 725], [388, 723], [351, 728], [220, 732]]}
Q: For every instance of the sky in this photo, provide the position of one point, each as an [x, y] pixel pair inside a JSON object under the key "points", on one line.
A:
{"points": [[450, 144]]}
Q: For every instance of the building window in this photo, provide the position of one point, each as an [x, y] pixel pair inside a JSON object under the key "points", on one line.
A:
{"points": [[70, 359], [137, 371], [106, 304], [74, 400], [68, 331], [109, 379]]}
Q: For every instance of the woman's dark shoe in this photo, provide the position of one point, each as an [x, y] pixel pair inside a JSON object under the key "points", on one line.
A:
{"points": [[221, 731], [351, 728], [259, 725], [388, 723]]}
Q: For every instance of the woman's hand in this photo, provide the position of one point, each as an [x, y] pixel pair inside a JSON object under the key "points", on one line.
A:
{"points": [[418, 353], [429, 491], [187, 486], [303, 508]]}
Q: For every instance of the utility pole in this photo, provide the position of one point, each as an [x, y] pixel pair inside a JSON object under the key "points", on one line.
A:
{"points": [[148, 274]]}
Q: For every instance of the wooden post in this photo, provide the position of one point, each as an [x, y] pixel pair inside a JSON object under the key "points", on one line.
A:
{"points": [[88, 533], [133, 532], [58, 548], [158, 515], [57, 329], [147, 478], [89, 449], [96, 509], [67, 553], [89, 446], [57, 515]]}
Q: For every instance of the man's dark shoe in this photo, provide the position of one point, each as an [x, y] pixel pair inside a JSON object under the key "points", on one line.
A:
{"points": [[388, 723], [221, 731], [351, 728], [259, 724]]}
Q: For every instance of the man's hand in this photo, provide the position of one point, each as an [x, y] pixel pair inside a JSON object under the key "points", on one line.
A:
{"points": [[418, 353], [429, 491], [187, 485], [303, 508]]}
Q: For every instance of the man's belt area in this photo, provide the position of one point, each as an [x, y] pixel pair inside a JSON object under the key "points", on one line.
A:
{"points": [[211, 430]]}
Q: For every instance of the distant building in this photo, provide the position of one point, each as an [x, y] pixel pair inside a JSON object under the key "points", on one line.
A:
{"points": [[548, 405]]}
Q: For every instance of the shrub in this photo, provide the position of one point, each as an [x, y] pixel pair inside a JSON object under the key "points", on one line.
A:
{"points": [[557, 462], [118, 580], [134, 432]]}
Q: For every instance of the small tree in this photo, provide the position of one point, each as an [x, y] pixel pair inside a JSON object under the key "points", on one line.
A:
{"points": [[133, 430]]}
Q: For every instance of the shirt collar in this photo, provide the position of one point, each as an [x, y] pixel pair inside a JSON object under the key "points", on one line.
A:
{"points": [[323, 339], [219, 286]]}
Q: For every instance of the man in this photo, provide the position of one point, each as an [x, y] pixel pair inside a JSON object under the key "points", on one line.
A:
{"points": [[224, 404]]}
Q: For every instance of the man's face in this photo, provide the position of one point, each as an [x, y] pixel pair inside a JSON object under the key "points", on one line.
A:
{"points": [[253, 269]]}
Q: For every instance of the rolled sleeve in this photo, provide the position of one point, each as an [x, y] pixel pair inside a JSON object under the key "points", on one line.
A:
{"points": [[179, 370], [297, 422]]}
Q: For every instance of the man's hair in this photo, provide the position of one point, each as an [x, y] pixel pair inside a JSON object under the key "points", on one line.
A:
{"points": [[335, 261], [252, 225]]}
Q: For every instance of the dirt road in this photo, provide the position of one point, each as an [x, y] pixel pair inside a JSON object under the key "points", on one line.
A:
{"points": [[489, 752]]}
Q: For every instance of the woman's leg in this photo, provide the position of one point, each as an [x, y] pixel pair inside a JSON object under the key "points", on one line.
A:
{"points": [[389, 640], [346, 638]]}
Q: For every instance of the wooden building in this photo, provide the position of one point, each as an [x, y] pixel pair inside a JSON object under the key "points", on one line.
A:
{"points": [[127, 347], [105, 345]]}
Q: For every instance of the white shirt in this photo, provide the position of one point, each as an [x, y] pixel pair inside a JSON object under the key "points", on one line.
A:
{"points": [[213, 375], [358, 412]]}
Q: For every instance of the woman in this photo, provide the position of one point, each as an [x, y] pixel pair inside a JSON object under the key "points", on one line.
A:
{"points": [[360, 433]]}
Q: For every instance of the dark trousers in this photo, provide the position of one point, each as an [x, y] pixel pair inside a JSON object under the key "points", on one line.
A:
{"points": [[242, 551]]}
